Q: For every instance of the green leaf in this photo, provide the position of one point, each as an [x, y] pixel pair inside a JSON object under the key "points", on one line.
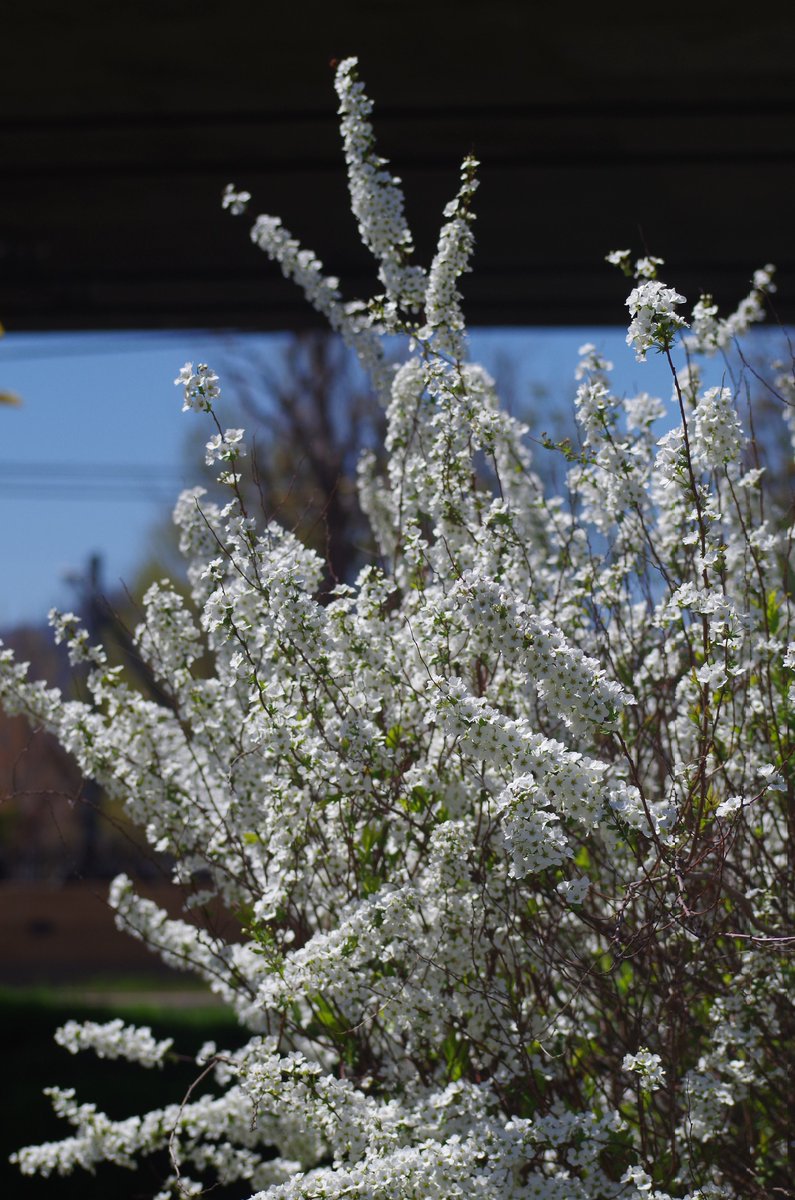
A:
{"points": [[394, 737], [773, 612], [456, 1056]]}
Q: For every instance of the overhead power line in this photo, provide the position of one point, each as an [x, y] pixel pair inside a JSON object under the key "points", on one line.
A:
{"points": [[163, 471], [89, 481]]}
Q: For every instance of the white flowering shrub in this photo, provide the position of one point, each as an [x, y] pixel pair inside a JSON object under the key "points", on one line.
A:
{"points": [[506, 821]]}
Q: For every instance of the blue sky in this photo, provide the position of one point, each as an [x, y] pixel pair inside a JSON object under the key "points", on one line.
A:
{"points": [[98, 450]]}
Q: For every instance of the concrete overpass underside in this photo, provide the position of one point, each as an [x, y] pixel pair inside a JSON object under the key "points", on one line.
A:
{"points": [[120, 125]]}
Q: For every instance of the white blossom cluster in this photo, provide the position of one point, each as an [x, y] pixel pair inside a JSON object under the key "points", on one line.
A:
{"points": [[503, 822], [710, 332], [443, 312], [647, 1066], [200, 387], [225, 447], [376, 198], [322, 291], [114, 1039], [234, 200], [655, 321]]}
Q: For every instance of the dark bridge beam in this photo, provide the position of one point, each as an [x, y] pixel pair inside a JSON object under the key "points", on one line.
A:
{"points": [[120, 125]]}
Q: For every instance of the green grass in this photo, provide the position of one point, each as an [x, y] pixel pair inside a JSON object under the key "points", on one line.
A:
{"points": [[32, 1061], [118, 983], [136, 999]]}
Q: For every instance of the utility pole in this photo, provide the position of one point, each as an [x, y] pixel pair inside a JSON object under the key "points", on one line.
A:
{"points": [[89, 587]]}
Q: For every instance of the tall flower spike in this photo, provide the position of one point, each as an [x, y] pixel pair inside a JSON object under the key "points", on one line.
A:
{"points": [[376, 197], [443, 314], [322, 292]]}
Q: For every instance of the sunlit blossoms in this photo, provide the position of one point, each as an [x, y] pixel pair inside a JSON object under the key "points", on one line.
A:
{"points": [[114, 1039], [504, 821], [200, 387], [655, 321]]}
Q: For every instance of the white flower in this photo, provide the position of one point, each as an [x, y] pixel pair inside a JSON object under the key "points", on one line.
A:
{"points": [[646, 268], [643, 410], [655, 321], [226, 447], [717, 435], [114, 1039], [712, 674], [647, 1066], [772, 778], [185, 376], [638, 1177], [620, 259], [729, 806], [236, 201], [574, 890], [711, 332], [200, 388]]}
